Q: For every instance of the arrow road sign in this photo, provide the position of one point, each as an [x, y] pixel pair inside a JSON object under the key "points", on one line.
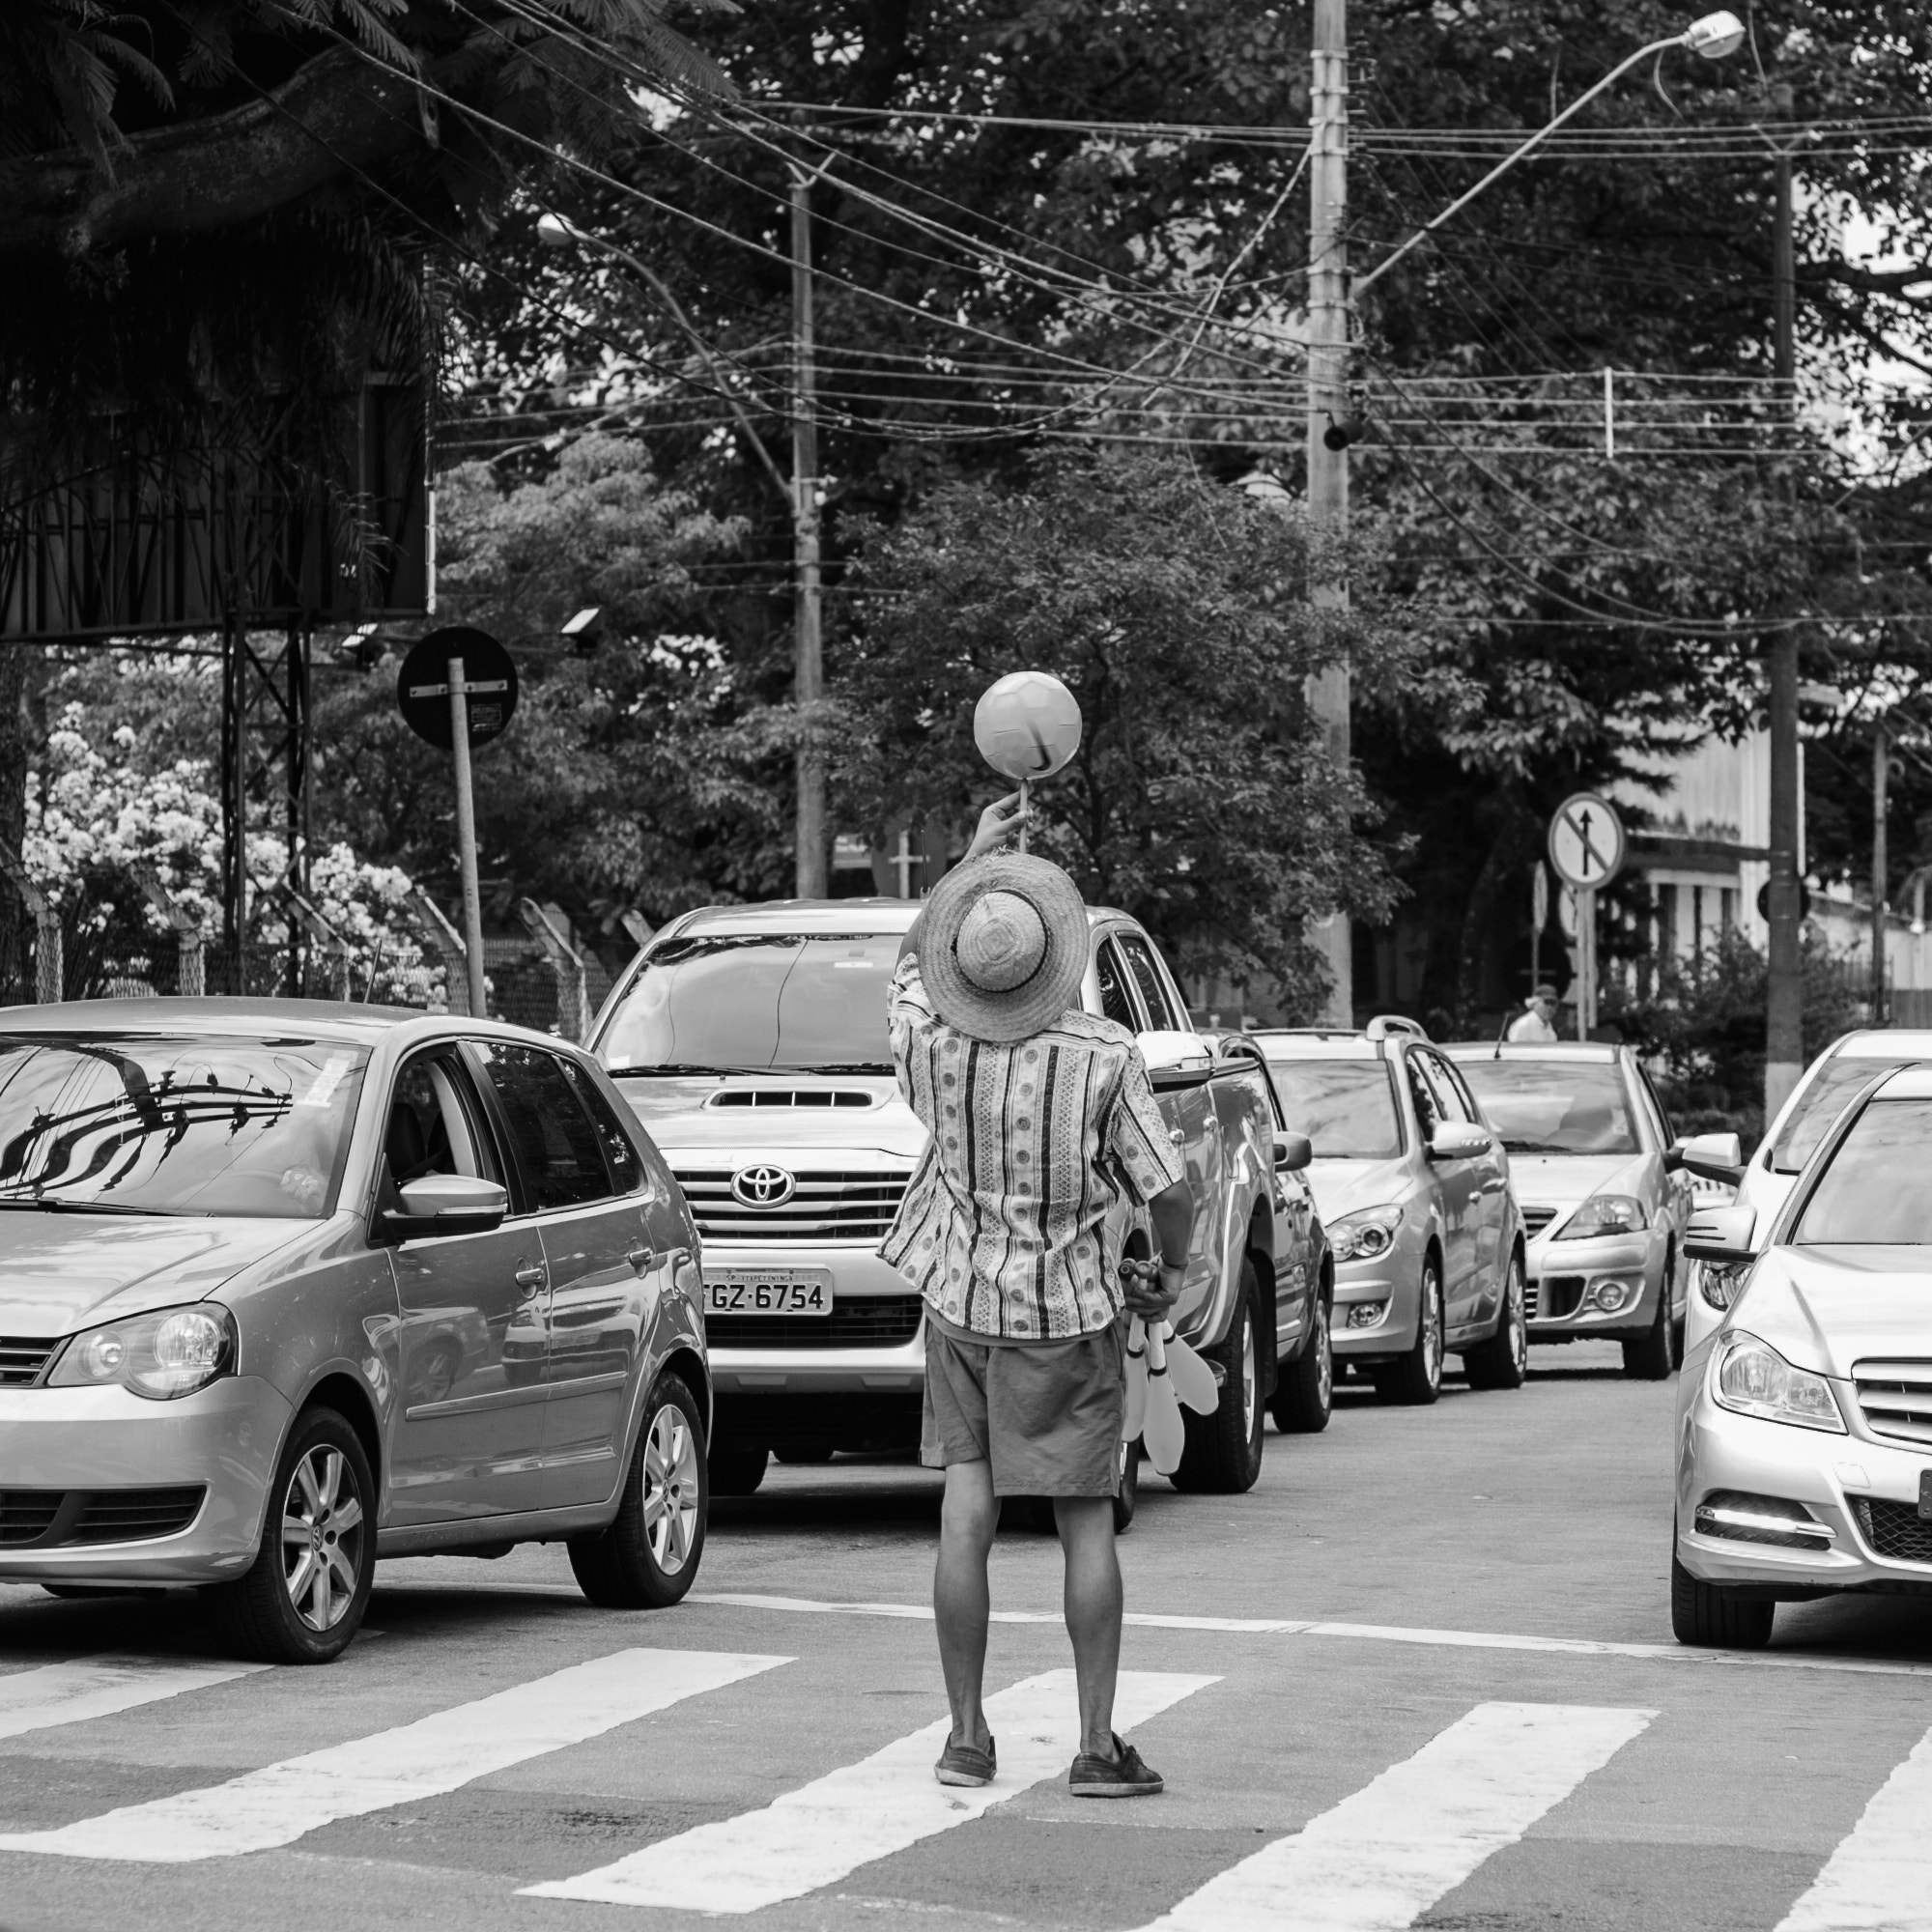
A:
{"points": [[1586, 842], [488, 683]]}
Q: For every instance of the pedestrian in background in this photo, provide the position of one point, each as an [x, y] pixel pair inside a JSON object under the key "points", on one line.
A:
{"points": [[1538, 1024], [1042, 1128]]}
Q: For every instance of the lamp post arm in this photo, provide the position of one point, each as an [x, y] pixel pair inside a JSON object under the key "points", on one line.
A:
{"points": [[659, 287], [1502, 167]]}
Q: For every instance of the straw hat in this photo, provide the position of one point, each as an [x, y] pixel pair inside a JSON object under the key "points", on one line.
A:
{"points": [[1004, 946]]}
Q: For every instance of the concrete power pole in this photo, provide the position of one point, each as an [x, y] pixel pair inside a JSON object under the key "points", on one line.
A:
{"points": [[1784, 1016], [1329, 410], [807, 648]]}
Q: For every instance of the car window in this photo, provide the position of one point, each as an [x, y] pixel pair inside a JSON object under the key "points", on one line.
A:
{"points": [[434, 1125], [1116, 1003], [556, 1143], [1443, 1084], [1428, 1112], [1556, 1105], [1821, 1103], [190, 1124], [1659, 1121], [1346, 1107], [1140, 963], [1873, 1193], [620, 1152]]}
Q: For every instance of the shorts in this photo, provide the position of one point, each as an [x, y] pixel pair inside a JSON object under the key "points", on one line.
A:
{"points": [[1046, 1415]]}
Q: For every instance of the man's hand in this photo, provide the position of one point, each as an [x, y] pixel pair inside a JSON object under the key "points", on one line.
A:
{"points": [[1004, 819], [1143, 1292]]}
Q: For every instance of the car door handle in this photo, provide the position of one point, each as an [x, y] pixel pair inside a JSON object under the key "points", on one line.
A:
{"points": [[642, 1257], [532, 1275]]}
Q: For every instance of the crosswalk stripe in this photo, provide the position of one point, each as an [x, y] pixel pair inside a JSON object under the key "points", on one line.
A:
{"points": [[97, 1687], [825, 1830], [1392, 1849], [1880, 1877], [282, 1802]]}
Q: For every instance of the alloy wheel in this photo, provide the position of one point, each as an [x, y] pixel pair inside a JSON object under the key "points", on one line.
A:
{"points": [[1431, 1315], [1324, 1358], [1518, 1322], [323, 1527], [1251, 1380], [670, 1489]]}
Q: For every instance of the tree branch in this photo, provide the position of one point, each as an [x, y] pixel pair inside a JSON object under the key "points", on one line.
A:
{"points": [[339, 112]]}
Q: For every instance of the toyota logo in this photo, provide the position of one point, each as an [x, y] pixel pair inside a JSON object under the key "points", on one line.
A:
{"points": [[763, 1186]]}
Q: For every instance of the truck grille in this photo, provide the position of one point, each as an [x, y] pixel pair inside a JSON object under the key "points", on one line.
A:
{"points": [[21, 1360], [56, 1518], [864, 1321], [1896, 1399], [1536, 1219], [1894, 1530], [827, 1205]]}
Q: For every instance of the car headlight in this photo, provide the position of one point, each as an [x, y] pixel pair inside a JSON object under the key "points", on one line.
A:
{"points": [[168, 1353], [1604, 1214], [1365, 1234], [1751, 1378]]}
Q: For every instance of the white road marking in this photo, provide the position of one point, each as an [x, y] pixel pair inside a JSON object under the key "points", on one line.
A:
{"points": [[1880, 1878], [97, 1687], [1562, 1646], [280, 1803], [1386, 1854], [825, 1830]]}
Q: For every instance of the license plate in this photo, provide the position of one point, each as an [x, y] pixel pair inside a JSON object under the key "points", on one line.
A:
{"points": [[752, 1291]]}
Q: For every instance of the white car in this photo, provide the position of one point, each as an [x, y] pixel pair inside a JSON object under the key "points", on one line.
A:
{"points": [[1765, 1181], [1804, 1421]]}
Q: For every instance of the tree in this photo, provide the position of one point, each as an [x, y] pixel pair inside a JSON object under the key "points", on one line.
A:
{"points": [[1199, 800]]}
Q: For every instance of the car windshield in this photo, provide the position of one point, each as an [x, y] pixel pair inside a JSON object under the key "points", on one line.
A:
{"points": [[1825, 1097], [1346, 1107], [1874, 1192], [736, 1002], [132, 1124], [1554, 1106]]}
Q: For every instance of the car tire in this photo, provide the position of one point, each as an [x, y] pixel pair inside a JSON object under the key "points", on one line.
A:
{"points": [[1304, 1398], [1128, 1497], [736, 1471], [1415, 1380], [1223, 1452], [1650, 1357], [1502, 1362], [648, 1556], [306, 1609], [1707, 1614]]}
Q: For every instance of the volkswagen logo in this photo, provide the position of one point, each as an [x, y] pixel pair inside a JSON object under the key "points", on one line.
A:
{"points": [[763, 1186]]}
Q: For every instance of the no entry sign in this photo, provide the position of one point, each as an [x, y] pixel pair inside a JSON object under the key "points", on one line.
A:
{"points": [[488, 683], [1586, 843]]}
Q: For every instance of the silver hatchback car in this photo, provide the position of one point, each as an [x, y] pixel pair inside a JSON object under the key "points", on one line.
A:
{"points": [[285, 1286]]}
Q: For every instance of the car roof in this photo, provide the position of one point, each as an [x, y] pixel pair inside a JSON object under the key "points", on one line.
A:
{"points": [[1909, 1083], [244, 1016], [819, 916], [1319, 1043], [1598, 1050], [1882, 1044]]}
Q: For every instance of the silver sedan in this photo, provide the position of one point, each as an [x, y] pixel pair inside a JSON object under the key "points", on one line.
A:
{"points": [[285, 1286]]}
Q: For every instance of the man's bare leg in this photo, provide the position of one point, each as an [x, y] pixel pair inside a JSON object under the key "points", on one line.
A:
{"points": [[961, 1601], [1093, 1602]]}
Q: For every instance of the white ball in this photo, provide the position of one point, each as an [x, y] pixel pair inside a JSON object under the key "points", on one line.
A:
{"points": [[1027, 725]]}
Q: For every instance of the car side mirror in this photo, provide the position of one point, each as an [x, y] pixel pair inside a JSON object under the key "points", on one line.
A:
{"points": [[1457, 1140], [1176, 1059], [1709, 1156], [1292, 1153], [446, 1204], [1721, 1234]]}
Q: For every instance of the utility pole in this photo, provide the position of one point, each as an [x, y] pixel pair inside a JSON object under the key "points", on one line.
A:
{"points": [[1784, 1016], [808, 647], [1881, 865], [1327, 413]]}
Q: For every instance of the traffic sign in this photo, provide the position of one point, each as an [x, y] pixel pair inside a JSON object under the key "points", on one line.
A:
{"points": [[1764, 901], [489, 685], [1586, 843]]}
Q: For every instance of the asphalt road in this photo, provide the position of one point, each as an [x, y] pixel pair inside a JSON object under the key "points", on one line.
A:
{"points": [[1422, 1674]]}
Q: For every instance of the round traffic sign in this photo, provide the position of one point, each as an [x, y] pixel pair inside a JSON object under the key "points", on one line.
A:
{"points": [[1764, 901], [489, 684], [1586, 842]]}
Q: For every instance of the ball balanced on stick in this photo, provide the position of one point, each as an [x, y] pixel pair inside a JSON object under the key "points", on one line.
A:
{"points": [[1026, 727]]}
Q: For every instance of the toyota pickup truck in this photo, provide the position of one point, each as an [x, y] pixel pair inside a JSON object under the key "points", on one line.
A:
{"points": [[751, 1042]]}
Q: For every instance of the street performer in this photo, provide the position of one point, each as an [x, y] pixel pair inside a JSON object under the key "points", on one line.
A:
{"points": [[1042, 1127]]}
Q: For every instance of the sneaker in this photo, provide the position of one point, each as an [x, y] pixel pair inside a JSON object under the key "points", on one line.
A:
{"points": [[968, 1763], [1125, 1776]]}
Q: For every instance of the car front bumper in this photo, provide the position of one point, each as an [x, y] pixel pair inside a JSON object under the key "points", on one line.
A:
{"points": [[226, 1438], [1564, 1278], [1392, 1281], [1828, 1474]]}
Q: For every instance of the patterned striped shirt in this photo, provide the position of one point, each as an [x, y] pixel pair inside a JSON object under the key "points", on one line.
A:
{"points": [[1008, 1226]]}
